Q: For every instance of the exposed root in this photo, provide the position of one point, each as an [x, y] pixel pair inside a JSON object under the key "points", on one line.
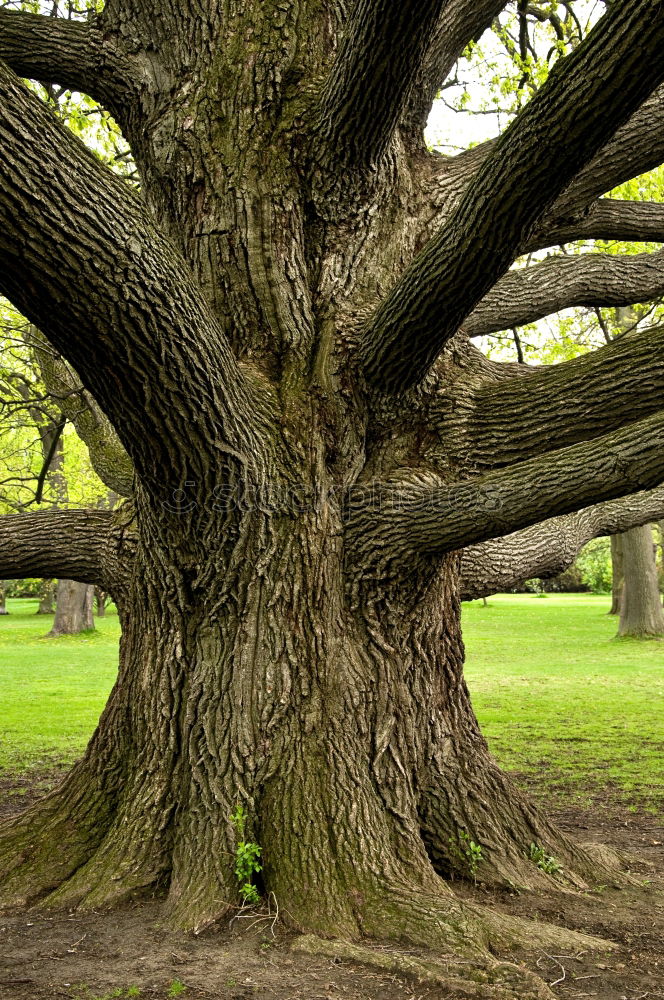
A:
{"points": [[455, 943], [44, 846], [474, 979]]}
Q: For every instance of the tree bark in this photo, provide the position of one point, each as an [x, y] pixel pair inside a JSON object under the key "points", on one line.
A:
{"points": [[73, 609], [101, 599], [3, 598], [549, 548], [641, 614]]}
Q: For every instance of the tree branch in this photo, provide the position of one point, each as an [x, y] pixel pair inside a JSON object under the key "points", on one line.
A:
{"points": [[636, 147], [70, 544], [107, 455], [83, 260], [587, 96], [606, 219], [372, 77], [74, 54], [526, 294], [390, 522], [460, 23], [549, 548], [553, 406]]}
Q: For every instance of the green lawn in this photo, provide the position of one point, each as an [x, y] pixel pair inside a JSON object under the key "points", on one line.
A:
{"points": [[51, 690], [557, 697]]}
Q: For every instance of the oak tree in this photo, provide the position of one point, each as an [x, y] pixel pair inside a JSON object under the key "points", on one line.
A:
{"points": [[277, 330]]}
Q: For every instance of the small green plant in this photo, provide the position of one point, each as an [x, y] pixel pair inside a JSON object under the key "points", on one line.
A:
{"points": [[176, 989], [468, 851], [545, 862], [247, 853], [133, 991]]}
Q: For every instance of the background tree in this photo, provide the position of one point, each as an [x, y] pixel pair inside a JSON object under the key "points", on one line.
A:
{"points": [[277, 331], [33, 457]]}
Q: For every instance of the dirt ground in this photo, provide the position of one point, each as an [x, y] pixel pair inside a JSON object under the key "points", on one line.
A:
{"points": [[124, 953]]}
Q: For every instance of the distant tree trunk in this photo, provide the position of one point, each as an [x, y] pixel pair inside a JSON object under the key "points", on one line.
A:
{"points": [[641, 613], [617, 569], [101, 597], [73, 610], [46, 595], [3, 598], [660, 574]]}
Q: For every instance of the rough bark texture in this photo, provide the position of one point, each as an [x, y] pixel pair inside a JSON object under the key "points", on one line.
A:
{"points": [[3, 598], [549, 548], [527, 294], [641, 613], [107, 456], [286, 645]]}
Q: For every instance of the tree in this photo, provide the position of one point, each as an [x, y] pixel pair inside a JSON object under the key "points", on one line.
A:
{"points": [[34, 452], [277, 330], [641, 613]]}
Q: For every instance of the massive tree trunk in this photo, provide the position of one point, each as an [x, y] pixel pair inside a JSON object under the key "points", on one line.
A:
{"points": [[309, 448], [73, 609], [641, 612]]}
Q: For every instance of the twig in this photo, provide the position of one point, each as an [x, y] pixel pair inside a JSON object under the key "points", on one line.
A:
{"points": [[560, 966]]}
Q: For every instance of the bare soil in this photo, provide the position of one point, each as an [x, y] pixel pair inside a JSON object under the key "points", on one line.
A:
{"points": [[46, 955]]}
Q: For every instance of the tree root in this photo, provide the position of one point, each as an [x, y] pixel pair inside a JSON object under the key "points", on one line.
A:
{"points": [[454, 945], [475, 980]]}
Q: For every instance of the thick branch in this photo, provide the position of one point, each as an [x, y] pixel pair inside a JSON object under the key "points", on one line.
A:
{"points": [[460, 23], [74, 54], [638, 146], [389, 523], [549, 548], [606, 219], [553, 406], [72, 544], [84, 261], [526, 294], [586, 98], [372, 77], [107, 456]]}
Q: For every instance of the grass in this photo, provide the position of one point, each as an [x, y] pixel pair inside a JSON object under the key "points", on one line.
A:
{"points": [[52, 691], [558, 699], [561, 701]]}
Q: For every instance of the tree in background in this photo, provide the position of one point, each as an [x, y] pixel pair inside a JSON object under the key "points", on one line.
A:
{"points": [[36, 470], [278, 331]]}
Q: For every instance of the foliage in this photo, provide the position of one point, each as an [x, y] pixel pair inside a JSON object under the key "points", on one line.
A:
{"points": [[247, 854], [545, 862], [467, 851], [594, 564], [28, 418], [23, 588]]}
